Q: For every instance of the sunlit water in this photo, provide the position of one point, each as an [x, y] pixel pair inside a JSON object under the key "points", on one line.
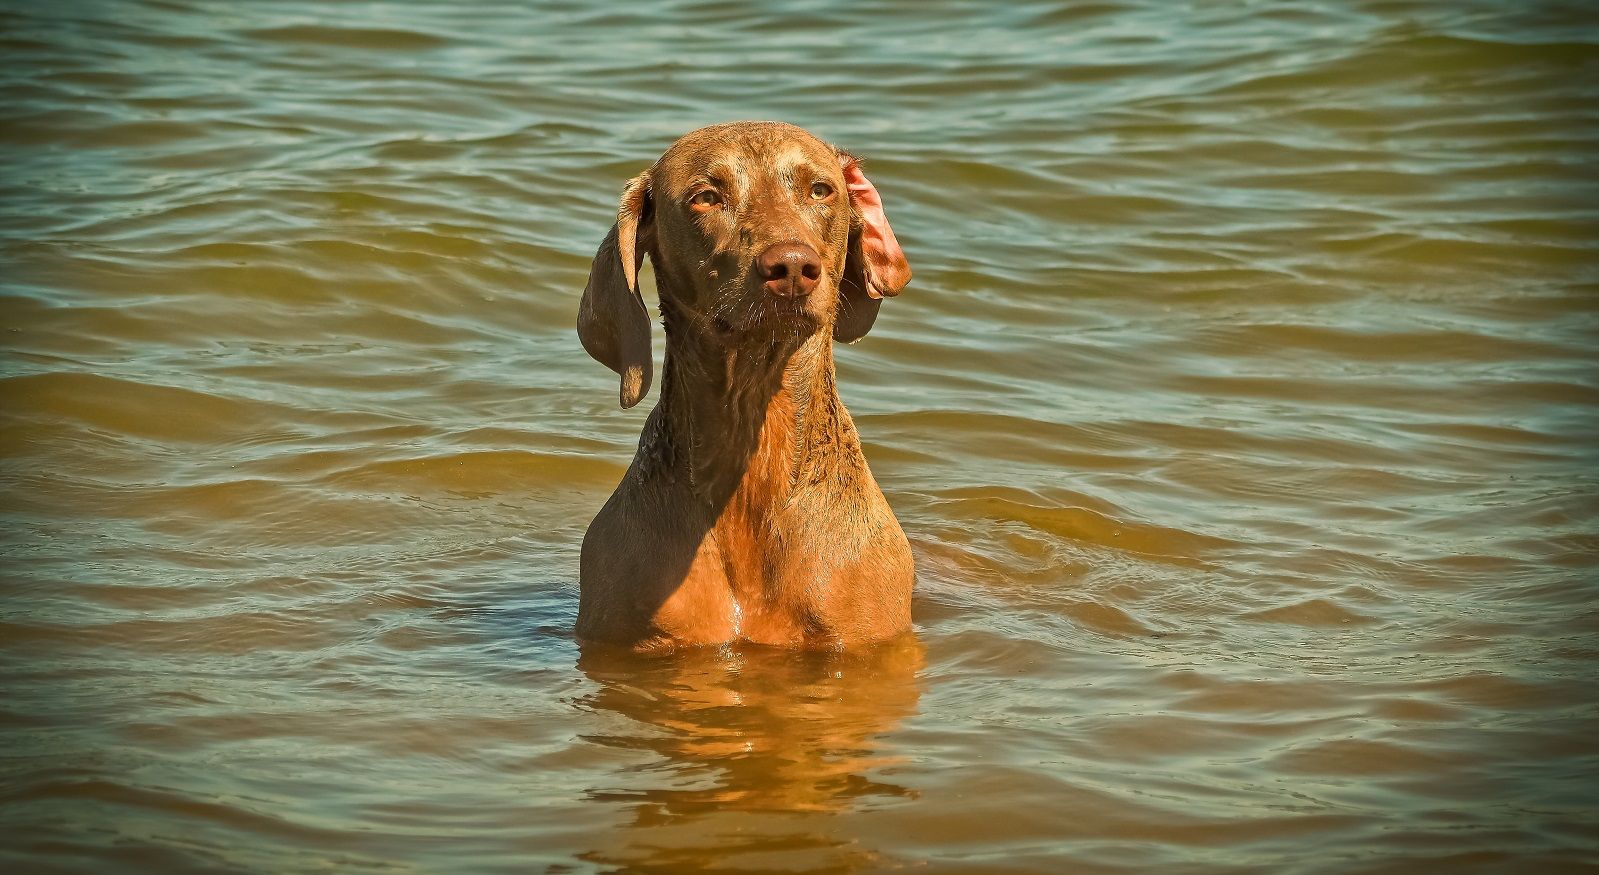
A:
{"points": [[1241, 415]]}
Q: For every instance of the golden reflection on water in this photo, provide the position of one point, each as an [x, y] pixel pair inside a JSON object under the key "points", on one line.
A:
{"points": [[1241, 415], [745, 733]]}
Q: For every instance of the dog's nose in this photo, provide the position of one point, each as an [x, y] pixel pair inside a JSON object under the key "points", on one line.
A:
{"points": [[789, 269]]}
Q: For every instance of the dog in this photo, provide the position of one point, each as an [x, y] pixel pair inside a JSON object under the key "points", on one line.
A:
{"points": [[748, 513]]}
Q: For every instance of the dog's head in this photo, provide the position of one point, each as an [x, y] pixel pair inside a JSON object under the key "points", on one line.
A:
{"points": [[756, 229]]}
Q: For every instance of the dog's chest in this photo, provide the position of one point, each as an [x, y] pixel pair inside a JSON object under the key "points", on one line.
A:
{"points": [[748, 589]]}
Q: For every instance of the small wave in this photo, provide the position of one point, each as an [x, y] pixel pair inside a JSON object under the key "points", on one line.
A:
{"points": [[384, 39]]}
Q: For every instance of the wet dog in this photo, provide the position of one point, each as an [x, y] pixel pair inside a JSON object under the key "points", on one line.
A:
{"points": [[748, 512]]}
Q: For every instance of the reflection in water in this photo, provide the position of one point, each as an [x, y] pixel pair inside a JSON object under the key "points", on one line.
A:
{"points": [[743, 739]]}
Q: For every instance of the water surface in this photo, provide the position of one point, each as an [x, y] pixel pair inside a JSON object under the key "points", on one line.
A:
{"points": [[1241, 415]]}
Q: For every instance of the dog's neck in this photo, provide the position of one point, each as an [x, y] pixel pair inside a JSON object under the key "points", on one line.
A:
{"points": [[748, 422]]}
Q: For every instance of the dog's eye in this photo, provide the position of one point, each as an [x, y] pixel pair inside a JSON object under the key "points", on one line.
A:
{"points": [[821, 190], [705, 200]]}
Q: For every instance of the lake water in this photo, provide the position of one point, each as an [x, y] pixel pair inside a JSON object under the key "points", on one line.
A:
{"points": [[1242, 416]]}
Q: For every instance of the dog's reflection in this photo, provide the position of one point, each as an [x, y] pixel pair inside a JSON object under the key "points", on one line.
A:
{"points": [[748, 730]]}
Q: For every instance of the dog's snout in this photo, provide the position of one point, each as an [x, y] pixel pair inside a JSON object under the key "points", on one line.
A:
{"points": [[789, 269]]}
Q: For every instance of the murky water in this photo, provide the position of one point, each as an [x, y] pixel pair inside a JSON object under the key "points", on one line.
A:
{"points": [[1242, 417]]}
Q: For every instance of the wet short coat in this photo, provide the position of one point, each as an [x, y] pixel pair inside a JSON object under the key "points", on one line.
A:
{"points": [[749, 512]]}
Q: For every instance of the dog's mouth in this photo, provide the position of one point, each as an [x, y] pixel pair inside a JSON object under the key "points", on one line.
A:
{"points": [[768, 317], [756, 308], [806, 305]]}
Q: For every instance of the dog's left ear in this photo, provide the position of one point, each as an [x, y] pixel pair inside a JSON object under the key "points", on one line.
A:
{"points": [[612, 321], [875, 265]]}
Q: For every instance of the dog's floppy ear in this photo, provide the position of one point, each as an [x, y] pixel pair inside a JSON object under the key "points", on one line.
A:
{"points": [[875, 265], [612, 321]]}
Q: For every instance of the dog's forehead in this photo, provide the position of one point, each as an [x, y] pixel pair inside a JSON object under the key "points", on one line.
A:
{"points": [[771, 144]]}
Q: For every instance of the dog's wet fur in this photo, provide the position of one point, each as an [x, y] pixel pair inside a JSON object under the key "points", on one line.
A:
{"points": [[749, 513]]}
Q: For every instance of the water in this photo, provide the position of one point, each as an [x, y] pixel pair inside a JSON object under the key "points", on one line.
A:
{"points": [[1241, 416]]}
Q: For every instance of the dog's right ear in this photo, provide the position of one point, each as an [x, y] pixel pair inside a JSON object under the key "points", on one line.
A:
{"points": [[612, 321]]}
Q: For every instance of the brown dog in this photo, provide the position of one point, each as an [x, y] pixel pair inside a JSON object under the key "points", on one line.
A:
{"points": [[748, 512]]}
